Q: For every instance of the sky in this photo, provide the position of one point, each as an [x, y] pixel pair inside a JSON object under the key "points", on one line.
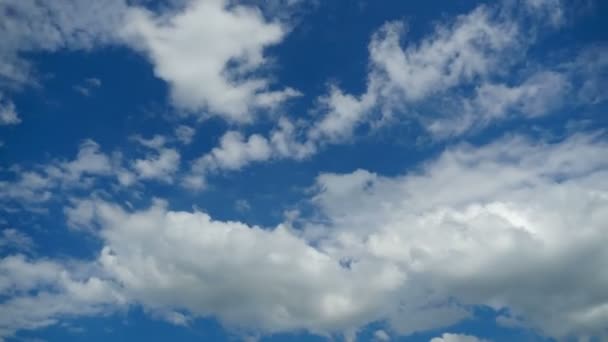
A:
{"points": [[303, 170]]}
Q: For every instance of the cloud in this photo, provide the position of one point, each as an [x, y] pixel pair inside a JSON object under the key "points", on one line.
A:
{"points": [[31, 26], [235, 151], [429, 82], [211, 55], [279, 281], [456, 338], [13, 239], [495, 225], [159, 166], [517, 225], [185, 134], [589, 71], [87, 86], [210, 52], [538, 95], [8, 113], [454, 54], [41, 292], [381, 335], [232, 153], [43, 182]]}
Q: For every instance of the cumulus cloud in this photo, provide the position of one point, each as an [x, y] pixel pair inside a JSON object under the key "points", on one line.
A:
{"points": [[34, 186], [492, 226], [41, 183], [456, 338], [516, 225], [211, 52], [427, 81], [208, 53], [41, 292], [454, 54], [496, 225], [235, 151], [161, 165], [252, 278]]}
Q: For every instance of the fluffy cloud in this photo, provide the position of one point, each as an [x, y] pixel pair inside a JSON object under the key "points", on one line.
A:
{"points": [[235, 151], [41, 292], [381, 335], [516, 225], [30, 26], [208, 53], [279, 281], [90, 165], [496, 225], [468, 49], [456, 338], [160, 166], [34, 186], [428, 81]]}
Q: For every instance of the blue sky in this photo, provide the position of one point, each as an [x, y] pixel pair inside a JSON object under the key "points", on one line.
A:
{"points": [[291, 170]]}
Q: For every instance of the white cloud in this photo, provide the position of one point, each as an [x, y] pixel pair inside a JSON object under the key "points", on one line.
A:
{"points": [[156, 142], [30, 26], [89, 160], [381, 335], [80, 214], [235, 151], [38, 185], [427, 81], [13, 239], [549, 9], [345, 112], [466, 50], [279, 281], [8, 113], [42, 292], [538, 95], [497, 225], [185, 134], [160, 166], [494, 226], [208, 52], [451, 56], [447, 337]]}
